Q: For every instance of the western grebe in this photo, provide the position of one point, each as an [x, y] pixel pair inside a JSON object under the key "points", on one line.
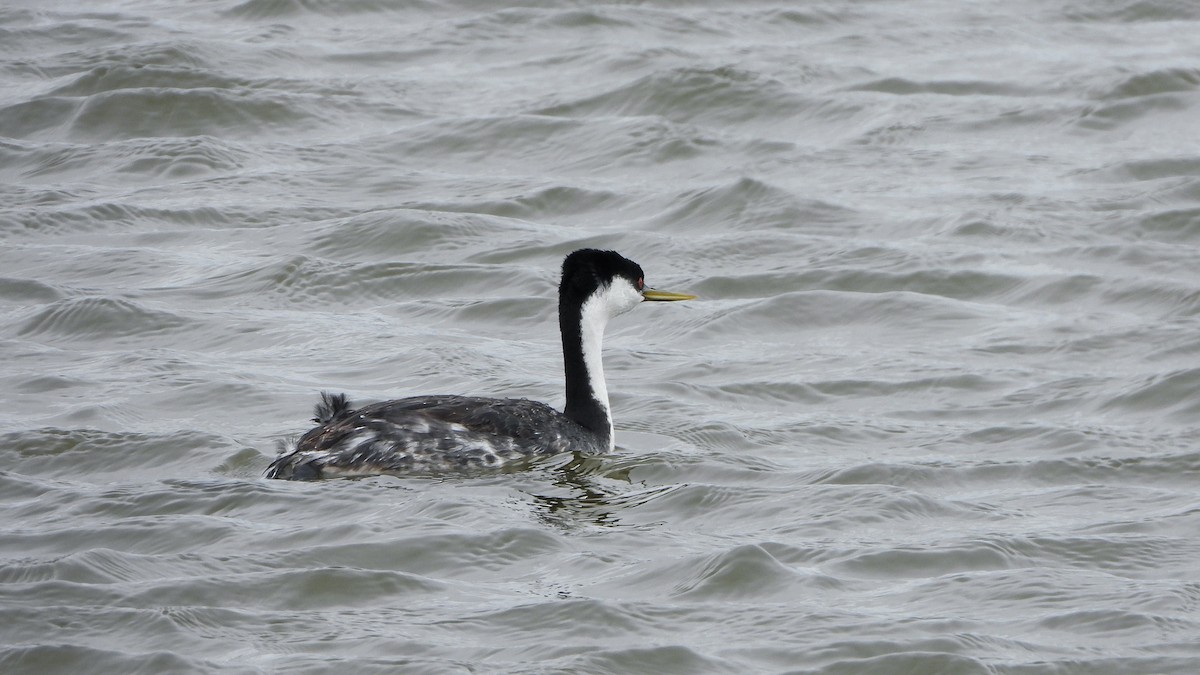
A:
{"points": [[435, 434]]}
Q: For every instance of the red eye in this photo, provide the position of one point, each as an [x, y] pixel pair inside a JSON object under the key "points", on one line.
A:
{"points": [[641, 283]]}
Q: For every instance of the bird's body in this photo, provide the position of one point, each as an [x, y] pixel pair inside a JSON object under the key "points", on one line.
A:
{"points": [[446, 433], [430, 434]]}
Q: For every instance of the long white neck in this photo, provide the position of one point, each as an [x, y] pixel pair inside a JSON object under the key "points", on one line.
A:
{"points": [[593, 320], [582, 327]]}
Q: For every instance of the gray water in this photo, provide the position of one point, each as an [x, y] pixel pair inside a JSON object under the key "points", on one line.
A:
{"points": [[935, 411]]}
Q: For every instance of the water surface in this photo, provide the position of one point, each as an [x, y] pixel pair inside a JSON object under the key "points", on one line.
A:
{"points": [[935, 411]]}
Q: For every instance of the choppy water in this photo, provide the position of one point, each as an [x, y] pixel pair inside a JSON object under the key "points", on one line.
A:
{"points": [[936, 411]]}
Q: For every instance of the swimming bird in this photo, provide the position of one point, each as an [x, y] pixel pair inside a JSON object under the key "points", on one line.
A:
{"points": [[448, 433]]}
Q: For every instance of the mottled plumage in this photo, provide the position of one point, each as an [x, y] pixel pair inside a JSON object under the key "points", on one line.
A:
{"points": [[429, 434], [438, 434]]}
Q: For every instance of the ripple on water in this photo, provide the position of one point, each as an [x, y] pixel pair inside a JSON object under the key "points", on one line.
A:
{"points": [[905, 86], [746, 573], [838, 310], [716, 95], [106, 115], [569, 147], [1130, 11], [1156, 81], [1129, 112], [319, 282], [814, 510], [447, 555], [70, 453], [119, 76], [748, 203], [92, 566], [1170, 395], [1018, 456], [902, 661], [113, 217], [68, 658], [172, 112], [652, 660], [577, 618], [267, 9], [393, 234], [1172, 225], [314, 588], [101, 318], [542, 201], [28, 291], [171, 158], [1132, 555]]}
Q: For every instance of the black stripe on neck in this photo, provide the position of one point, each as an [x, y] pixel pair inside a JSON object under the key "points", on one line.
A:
{"points": [[582, 406]]}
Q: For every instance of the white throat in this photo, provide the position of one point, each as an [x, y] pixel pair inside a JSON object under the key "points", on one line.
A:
{"points": [[593, 318], [617, 298]]}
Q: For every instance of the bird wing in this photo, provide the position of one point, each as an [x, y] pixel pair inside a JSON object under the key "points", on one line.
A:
{"points": [[519, 419]]}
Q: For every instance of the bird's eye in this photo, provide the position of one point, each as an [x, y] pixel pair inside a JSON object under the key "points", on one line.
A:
{"points": [[641, 283]]}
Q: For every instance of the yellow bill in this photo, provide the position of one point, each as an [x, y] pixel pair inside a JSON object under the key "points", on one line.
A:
{"points": [[664, 296]]}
